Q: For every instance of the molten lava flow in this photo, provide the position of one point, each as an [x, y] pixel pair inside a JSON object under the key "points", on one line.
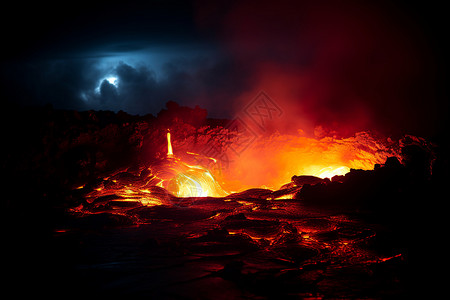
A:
{"points": [[158, 184], [269, 163], [186, 180], [195, 181]]}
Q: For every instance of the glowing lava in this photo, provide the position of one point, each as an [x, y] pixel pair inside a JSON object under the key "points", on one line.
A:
{"points": [[329, 172], [259, 172], [185, 180], [195, 182]]}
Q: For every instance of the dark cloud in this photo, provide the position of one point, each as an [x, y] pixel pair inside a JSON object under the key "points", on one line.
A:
{"points": [[136, 83]]}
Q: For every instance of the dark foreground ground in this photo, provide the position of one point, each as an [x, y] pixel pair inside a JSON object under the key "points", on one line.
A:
{"points": [[241, 248], [218, 249]]}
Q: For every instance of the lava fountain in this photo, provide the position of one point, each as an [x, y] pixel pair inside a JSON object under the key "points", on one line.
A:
{"points": [[185, 180]]}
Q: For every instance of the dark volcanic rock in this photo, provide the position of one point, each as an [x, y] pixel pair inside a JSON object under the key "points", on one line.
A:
{"points": [[360, 188], [307, 179], [219, 242], [171, 213]]}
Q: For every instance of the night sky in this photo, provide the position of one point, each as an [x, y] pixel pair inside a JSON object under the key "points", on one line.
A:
{"points": [[346, 65]]}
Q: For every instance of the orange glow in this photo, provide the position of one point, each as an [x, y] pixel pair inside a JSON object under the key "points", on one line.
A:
{"points": [[272, 161]]}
